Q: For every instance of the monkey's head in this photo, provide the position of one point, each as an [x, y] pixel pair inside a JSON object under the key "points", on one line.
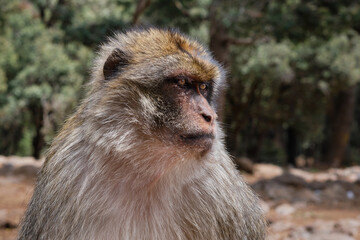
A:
{"points": [[163, 83]]}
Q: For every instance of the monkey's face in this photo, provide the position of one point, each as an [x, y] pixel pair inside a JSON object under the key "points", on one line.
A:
{"points": [[186, 115], [167, 83]]}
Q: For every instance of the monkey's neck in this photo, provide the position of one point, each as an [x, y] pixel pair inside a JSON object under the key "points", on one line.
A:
{"points": [[151, 166]]}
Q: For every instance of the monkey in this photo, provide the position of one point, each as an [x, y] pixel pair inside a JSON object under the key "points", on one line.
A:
{"points": [[143, 156]]}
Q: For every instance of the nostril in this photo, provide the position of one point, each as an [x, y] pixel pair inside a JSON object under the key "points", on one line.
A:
{"points": [[207, 117]]}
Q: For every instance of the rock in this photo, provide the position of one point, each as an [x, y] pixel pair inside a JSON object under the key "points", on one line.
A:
{"points": [[308, 177], [267, 171], [357, 182], [297, 186], [300, 205], [350, 195], [285, 209], [322, 177], [290, 179], [328, 236], [27, 170], [322, 226], [9, 219], [21, 161], [23, 166], [307, 195], [7, 169], [270, 189], [324, 230], [281, 226], [350, 174], [348, 226], [334, 192]]}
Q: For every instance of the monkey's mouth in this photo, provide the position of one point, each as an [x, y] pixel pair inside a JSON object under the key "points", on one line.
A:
{"points": [[201, 141], [197, 136]]}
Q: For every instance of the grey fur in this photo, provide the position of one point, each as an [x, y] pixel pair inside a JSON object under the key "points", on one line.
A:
{"points": [[108, 176]]}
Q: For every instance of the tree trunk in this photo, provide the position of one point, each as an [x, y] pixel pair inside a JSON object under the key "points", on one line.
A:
{"points": [[254, 144], [219, 46], [38, 140], [340, 118], [140, 8], [291, 146]]}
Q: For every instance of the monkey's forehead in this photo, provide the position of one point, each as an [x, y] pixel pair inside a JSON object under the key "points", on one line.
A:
{"points": [[170, 48], [157, 42]]}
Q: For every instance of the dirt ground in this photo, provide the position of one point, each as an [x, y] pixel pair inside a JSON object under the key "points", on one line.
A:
{"points": [[304, 220], [14, 196], [288, 220]]}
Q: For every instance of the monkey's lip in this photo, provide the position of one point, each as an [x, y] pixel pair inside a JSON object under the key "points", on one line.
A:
{"points": [[198, 141], [197, 136]]}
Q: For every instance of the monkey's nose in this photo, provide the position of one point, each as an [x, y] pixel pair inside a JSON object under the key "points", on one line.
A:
{"points": [[208, 118]]}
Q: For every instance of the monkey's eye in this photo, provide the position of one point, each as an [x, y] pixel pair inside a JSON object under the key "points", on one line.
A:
{"points": [[202, 86], [181, 82]]}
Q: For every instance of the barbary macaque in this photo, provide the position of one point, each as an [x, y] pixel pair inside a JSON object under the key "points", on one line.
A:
{"points": [[143, 156]]}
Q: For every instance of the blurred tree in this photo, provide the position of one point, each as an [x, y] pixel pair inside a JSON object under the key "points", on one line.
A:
{"points": [[272, 95], [319, 20], [292, 68], [40, 71], [340, 61]]}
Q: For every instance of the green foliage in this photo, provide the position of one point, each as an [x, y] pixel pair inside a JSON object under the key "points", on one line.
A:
{"points": [[303, 53], [340, 59], [272, 153], [300, 20], [289, 79], [272, 61], [177, 14], [37, 68], [92, 21]]}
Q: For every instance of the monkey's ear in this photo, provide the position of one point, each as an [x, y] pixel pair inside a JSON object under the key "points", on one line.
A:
{"points": [[115, 63]]}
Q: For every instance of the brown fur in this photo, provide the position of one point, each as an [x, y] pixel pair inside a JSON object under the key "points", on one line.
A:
{"points": [[121, 169]]}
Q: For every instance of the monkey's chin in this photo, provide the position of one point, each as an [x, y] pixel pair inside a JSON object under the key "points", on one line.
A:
{"points": [[198, 142]]}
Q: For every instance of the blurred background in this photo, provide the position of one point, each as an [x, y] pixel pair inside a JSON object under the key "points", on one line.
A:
{"points": [[291, 111]]}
